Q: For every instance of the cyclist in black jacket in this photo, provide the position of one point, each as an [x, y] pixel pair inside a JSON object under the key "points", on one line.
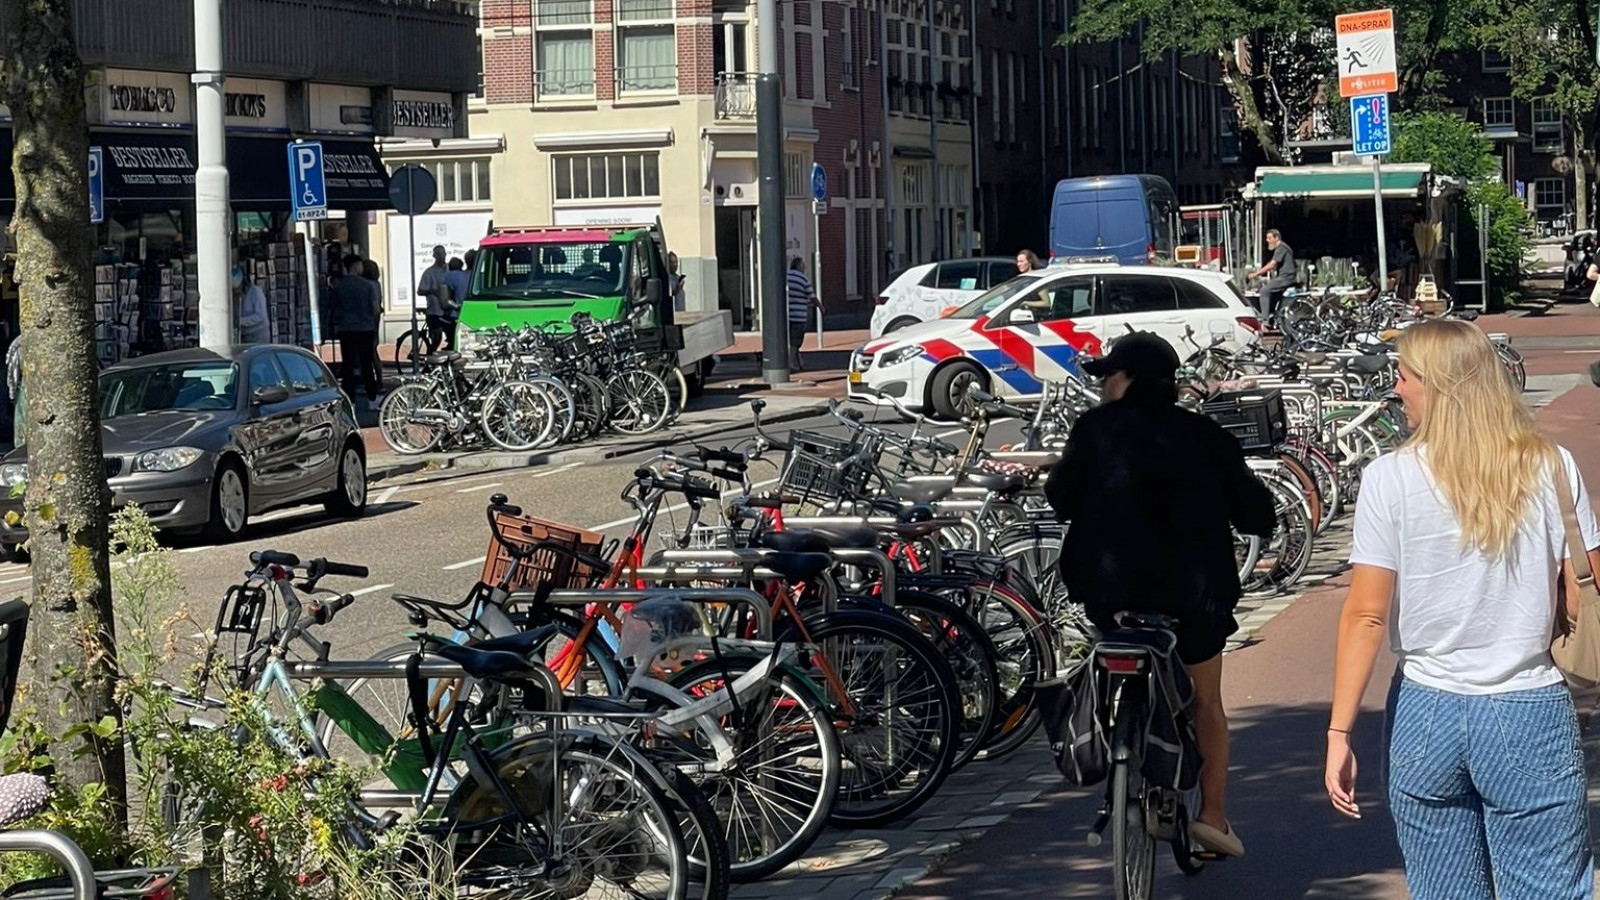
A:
{"points": [[1153, 492]]}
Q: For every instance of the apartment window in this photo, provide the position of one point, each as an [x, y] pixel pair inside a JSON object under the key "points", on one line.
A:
{"points": [[1495, 61], [796, 176], [565, 48], [647, 46], [1548, 136], [608, 176], [1053, 99], [1011, 98], [1499, 113], [849, 27], [994, 94], [1550, 197], [460, 180], [1228, 135], [1083, 107]]}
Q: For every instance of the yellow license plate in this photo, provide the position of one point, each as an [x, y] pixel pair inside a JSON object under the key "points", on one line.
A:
{"points": [[855, 377]]}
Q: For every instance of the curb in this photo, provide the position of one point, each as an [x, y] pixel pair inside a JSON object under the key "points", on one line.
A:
{"points": [[444, 462]]}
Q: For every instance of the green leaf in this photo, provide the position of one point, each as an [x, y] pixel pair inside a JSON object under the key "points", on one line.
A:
{"points": [[106, 728], [18, 489]]}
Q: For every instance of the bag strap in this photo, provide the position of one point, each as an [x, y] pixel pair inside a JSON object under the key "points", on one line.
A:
{"points": [[1575, 548]]}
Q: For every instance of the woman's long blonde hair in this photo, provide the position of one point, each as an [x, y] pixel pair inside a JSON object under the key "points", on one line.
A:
{"points": [[1484, 447]]}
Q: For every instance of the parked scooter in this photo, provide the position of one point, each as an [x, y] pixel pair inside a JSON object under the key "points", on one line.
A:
{"points": [[1580, 250]]}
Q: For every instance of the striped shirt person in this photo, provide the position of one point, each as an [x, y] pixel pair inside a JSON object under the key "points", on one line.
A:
{"points": [[802, 299]]}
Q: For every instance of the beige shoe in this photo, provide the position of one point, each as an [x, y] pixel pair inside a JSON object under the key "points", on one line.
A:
{"points": [[1226, 843]]}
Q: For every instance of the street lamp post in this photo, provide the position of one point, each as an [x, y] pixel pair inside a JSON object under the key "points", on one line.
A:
{"points": [[211, 179]]}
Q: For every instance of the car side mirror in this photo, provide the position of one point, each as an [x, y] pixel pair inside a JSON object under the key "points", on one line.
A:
{"points": [[266, 395], [1022, 316], [654, 290]]}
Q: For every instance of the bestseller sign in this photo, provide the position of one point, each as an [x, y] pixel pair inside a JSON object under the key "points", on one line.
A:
{"points": [[1365, 46]]}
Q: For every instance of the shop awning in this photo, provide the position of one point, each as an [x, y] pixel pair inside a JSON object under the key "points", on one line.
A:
{"points": [[149, 167], [258, 174], [1333, 185]]}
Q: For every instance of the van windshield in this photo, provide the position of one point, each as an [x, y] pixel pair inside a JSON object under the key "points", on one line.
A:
{"points": [[563, 270], [984, 304]]}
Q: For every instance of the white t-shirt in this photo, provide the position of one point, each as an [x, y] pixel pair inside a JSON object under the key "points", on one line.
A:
{"points": [[1462, 622]]}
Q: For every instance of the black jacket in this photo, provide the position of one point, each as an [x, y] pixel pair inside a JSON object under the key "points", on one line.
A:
{"points": [[1151, 490]]}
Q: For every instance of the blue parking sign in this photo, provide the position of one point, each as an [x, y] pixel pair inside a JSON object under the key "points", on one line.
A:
{"points": [[308, 189], [97, 186], [1369, 125]]}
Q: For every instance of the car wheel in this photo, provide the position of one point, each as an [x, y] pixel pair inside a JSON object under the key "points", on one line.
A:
{"points": [[230, 503], [948, 395], [13, 553], [898, 324], [349, 497]]}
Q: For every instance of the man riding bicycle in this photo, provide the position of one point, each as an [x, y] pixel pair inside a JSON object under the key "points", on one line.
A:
{"points": [[1153, 493]]}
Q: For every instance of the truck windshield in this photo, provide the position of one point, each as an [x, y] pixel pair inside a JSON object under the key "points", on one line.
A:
{"points": [[553, 271]]}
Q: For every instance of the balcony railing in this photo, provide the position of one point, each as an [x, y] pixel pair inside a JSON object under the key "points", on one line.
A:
{"points": [[736, 95], [564, 84], [642, 79]]}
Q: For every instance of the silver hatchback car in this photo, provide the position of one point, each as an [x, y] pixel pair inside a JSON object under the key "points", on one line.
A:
{"points": [[204, 439]]}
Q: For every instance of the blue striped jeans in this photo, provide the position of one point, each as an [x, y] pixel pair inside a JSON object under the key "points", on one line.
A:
{"points": [[1488, 794]]}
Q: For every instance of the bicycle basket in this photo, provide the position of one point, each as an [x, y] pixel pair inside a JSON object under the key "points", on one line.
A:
{"points": [[546, 566], [1256, 418], [814, 470], [703, 537]]}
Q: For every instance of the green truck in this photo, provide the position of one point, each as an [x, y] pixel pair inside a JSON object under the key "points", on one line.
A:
{"points": [[543, 275]]}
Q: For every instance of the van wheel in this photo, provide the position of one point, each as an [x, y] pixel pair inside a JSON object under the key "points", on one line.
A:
{"points": [[948, 394], [898, 324]]}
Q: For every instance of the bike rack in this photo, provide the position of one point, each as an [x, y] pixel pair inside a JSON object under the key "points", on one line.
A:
{"points": [[79, 871], [874, 558], [757, 603]]}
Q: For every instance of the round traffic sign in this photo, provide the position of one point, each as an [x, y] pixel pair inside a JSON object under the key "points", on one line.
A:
{"points": [[819, 182], [412, 190]]}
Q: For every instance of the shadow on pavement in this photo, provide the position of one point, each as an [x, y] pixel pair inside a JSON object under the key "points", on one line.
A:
{"points": [[1298, 847], [296, 520]]}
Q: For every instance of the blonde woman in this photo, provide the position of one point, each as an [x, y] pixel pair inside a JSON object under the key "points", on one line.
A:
{"points": [[1459, 543]]}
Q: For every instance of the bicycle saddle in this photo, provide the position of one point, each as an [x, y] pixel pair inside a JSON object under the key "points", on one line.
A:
{"points": [[1310, 358], [928, 491], [487, 665], [22, 796], [520, 643], [997, 482], [795, 542], [798, 566], [441, 359], [1368, 365]]}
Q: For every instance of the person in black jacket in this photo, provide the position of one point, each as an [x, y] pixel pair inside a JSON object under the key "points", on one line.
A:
{"points": [[1153, 493]]}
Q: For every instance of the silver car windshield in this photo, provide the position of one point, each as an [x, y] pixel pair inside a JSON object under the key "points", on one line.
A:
{"points": [[987, 303], [201, 386]]}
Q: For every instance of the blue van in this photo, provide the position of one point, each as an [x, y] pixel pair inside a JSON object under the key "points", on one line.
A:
{"points": [[1126, 216]]}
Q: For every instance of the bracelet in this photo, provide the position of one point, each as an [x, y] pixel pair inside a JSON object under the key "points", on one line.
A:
{"points": [[1339, 730]]}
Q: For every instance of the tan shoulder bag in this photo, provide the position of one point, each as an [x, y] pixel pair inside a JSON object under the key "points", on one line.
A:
{"points": [[1576, 648]]}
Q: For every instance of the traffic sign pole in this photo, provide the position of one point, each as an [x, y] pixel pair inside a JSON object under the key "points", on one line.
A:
{"points": [[1383, 240], [819, 196], [213, 228]]}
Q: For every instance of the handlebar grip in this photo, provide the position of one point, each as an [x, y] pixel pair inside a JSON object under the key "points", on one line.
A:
{"points": [[344, 570], [700, 490], [727, 474], [723, 455], [274, 558]]}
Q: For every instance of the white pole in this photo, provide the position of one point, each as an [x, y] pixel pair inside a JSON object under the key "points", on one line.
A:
{"points": [[311, 292], [816, 264], [1383, 239], [211, 179]]}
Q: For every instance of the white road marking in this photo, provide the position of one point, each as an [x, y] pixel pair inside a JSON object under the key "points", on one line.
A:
{"points": [[281, 514], [196, 549], [473, 478], [480, 487], [558, 471], [384, 497], [629, 520], [370, 590], [18, 580], [468, 563]]}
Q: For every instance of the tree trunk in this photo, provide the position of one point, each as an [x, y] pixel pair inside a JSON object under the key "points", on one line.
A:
{"points": [[1244, 101], [67, 507], [1582, 169]]}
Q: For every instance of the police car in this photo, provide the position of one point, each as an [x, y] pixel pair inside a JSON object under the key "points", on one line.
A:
{"points": [[1033, 328]]}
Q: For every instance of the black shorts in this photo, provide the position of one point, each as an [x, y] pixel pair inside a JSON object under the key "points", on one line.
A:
{"points": [[1200, 636], [797, 333]]}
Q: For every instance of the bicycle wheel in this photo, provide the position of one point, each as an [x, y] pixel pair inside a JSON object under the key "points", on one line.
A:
{"points": [[774, 796], [589, 406], [1035, 558], [1308, 487], [518, 416], [1026, 656], [1133, 848], [562, 404], [398, 424], [677, 386], [899, 735], [966, 645], [565, 816], [639, 401], [410, 346], [1285, 557], [703, 838]]}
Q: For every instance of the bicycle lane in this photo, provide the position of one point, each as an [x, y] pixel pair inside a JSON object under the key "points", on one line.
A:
{"points": [[1277, 686]]}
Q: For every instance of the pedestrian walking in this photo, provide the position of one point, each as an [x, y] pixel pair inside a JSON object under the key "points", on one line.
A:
{"points": [[1279, 271], [460, 282], [436, 288], [255, 323], [1028, 261], [371, 272], [1459, 544], [354, 306], [1153, 493], [802, 300]]}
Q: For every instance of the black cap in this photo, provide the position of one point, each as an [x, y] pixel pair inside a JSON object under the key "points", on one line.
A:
{"points": [[1139, 355]]}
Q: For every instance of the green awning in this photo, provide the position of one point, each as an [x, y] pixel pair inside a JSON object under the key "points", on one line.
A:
{"points": [[1355, 183]]}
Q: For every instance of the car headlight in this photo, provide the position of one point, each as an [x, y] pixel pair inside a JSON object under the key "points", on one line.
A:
{"points": [[13, 474], [898, 356], [466, 339], [169, 460]]}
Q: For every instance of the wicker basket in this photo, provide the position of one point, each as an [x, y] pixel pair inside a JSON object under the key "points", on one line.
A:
{"points": [[545, 566]]}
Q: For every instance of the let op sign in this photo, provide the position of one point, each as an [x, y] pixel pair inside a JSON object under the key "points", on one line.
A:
{"points": [[1366, 53]]}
